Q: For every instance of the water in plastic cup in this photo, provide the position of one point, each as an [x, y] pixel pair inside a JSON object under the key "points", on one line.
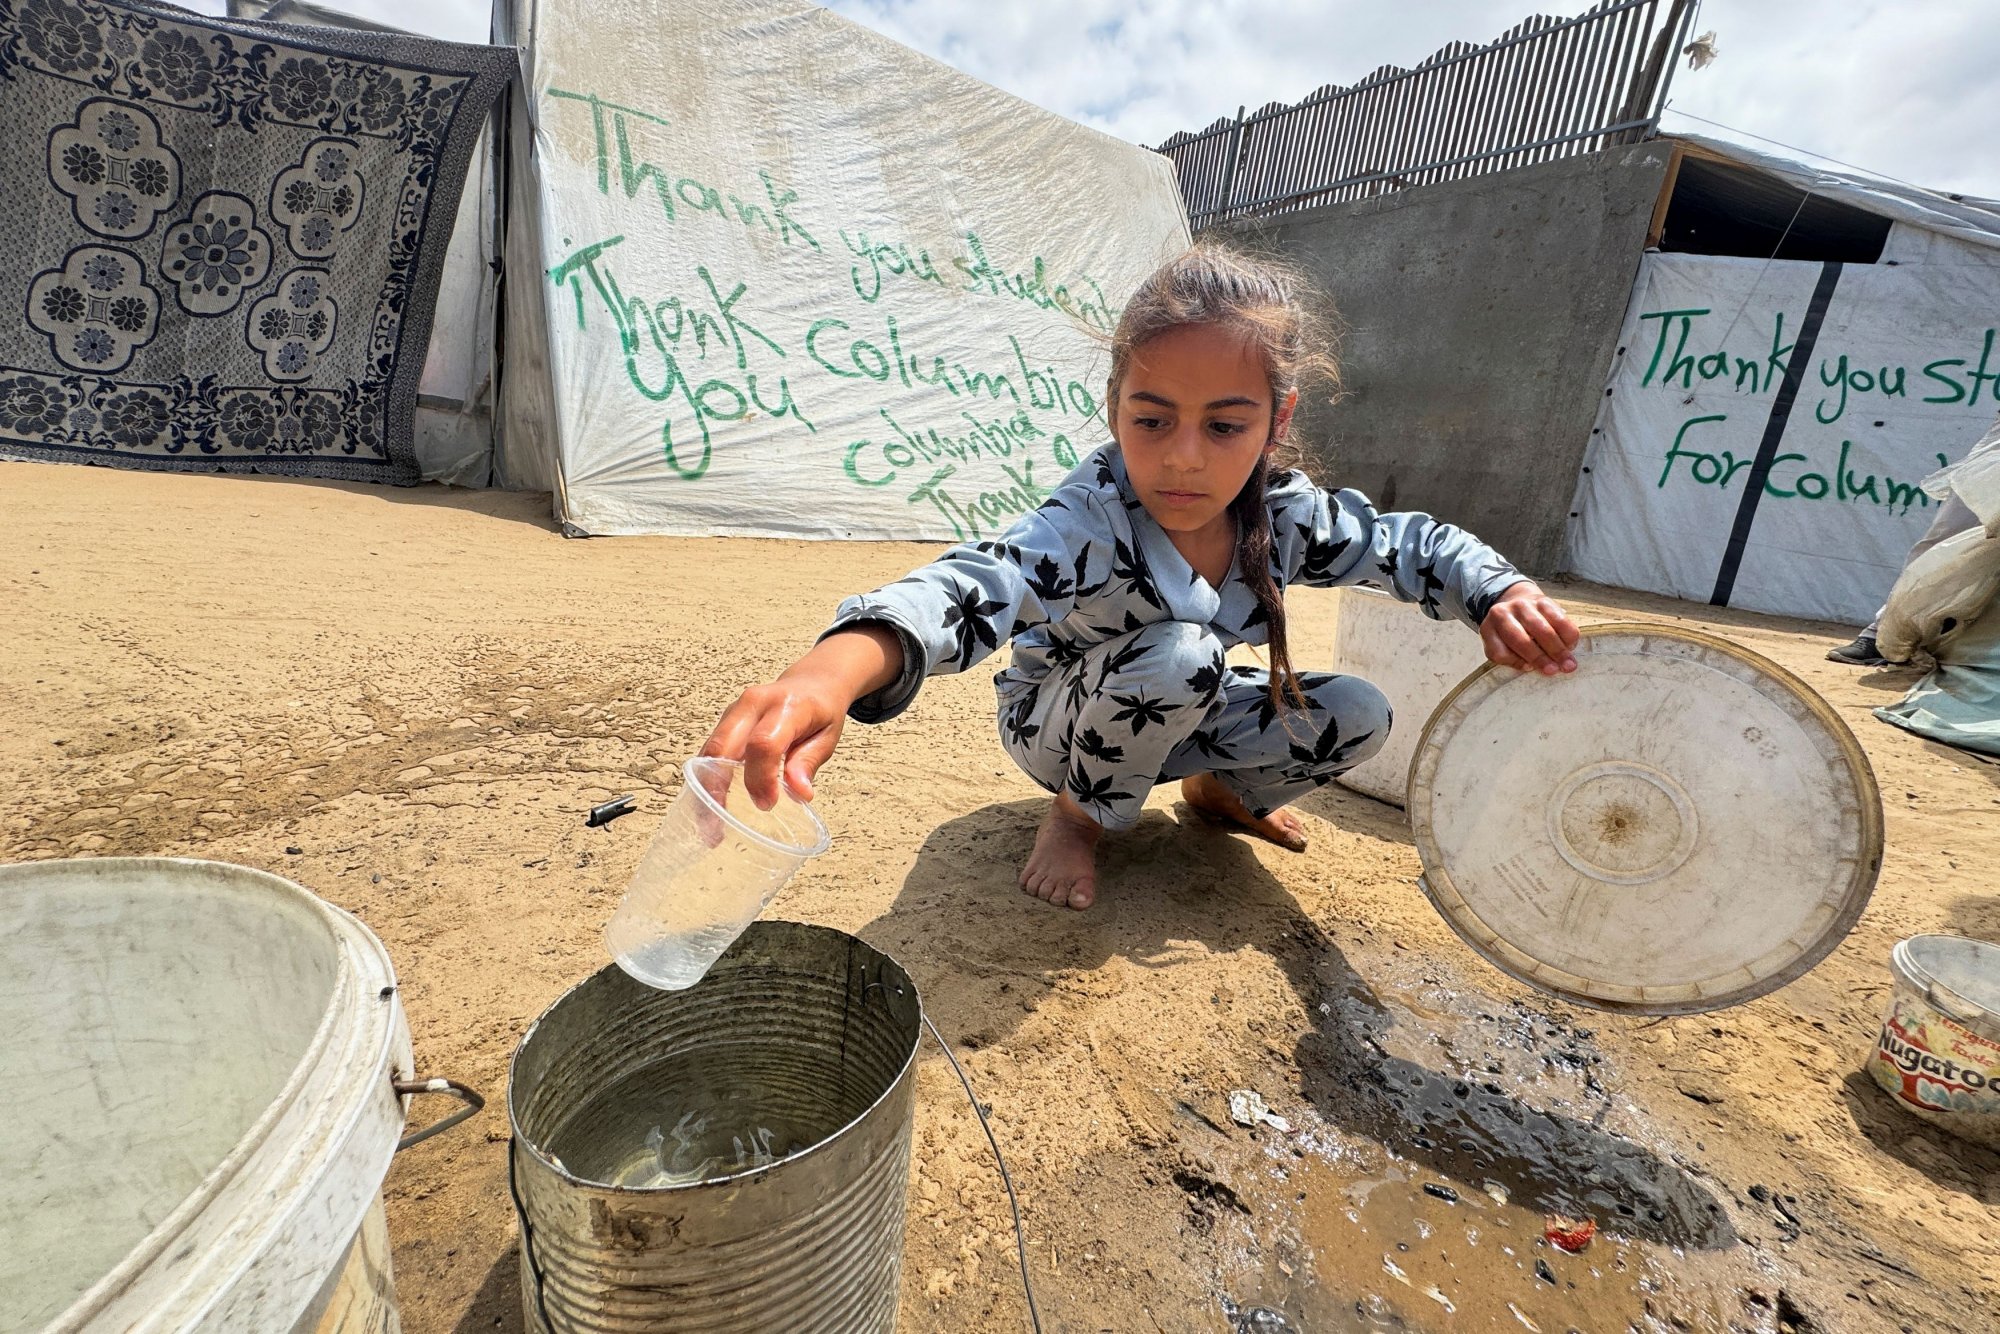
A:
{"points": [[714, 863]]}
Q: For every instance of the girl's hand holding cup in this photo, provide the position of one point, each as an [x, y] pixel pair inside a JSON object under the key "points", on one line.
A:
{"points": [[783, 732]]}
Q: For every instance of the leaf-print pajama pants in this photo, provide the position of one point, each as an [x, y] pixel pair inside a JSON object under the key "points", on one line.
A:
{"points": [[1157, 705]]}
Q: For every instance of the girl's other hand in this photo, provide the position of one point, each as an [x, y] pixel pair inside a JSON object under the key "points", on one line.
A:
{"points": [[1527, 631]]}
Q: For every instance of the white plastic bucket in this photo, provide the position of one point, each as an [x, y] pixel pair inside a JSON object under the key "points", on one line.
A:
{"points": [[1939, 1050], [197, 1065], [1414, 661]]}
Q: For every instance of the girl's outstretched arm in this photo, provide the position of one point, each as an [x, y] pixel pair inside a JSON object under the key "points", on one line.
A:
{"points": [[784, 731], [942, 617], [1338, 538]]}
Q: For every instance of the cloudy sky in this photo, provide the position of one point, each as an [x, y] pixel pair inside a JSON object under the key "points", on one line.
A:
{"points": [[1907, 88]]}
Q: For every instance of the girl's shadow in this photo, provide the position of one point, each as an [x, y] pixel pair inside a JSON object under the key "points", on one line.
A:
{"points": [[983, 953]]}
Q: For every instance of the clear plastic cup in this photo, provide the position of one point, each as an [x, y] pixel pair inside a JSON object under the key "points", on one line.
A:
{"points": [[714, 864]]}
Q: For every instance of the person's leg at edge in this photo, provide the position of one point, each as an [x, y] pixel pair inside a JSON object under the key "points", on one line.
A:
{"points": [[1097, 733]]}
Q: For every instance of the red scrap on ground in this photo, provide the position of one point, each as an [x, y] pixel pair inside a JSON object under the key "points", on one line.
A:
{"points": [[1569, 1234]]}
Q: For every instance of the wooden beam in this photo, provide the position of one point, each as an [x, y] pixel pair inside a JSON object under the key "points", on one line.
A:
{"points": [[1658, 227]]}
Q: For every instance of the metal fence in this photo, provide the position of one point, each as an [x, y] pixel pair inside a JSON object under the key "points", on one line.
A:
{"points": [[1548, 88]]}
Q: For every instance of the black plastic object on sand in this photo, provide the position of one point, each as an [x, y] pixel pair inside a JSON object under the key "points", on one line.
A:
{"points": [[610, 810]]}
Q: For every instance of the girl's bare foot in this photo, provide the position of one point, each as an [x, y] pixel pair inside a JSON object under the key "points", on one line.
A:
{"points": [[1207, 795], [1063, 867]]}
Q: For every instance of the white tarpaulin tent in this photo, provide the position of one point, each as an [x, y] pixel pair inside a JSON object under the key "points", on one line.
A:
{"points": [[801, 280], [1894, 372]]}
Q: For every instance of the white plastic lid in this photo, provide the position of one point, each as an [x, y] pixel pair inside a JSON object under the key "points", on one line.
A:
{"points": [[1680, 825]]}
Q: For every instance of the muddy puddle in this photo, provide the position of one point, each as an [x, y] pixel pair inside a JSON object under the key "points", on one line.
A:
{"points": [[1365, 1240], [1444, 1153]]}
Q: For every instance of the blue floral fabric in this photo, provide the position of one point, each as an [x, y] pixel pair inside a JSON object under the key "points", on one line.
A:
{"points": [[224, 238]]}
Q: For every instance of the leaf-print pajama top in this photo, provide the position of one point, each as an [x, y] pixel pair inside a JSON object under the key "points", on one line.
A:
{"points": [[1117, 680]]}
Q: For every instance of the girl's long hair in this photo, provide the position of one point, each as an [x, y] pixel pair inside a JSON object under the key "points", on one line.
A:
{"points": [[1275, 305]]}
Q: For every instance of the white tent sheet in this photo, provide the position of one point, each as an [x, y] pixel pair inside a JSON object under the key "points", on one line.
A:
{"points": [[803, 281], [1900, 381]]}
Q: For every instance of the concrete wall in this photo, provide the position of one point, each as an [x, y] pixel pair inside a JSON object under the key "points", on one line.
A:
{"points": [[1482, 318]]}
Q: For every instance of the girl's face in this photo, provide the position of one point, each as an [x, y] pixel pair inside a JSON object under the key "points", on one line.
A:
{"points": [[1193, 416]]}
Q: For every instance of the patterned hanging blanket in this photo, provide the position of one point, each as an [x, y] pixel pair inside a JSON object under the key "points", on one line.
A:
{"points": [[224, 239]]}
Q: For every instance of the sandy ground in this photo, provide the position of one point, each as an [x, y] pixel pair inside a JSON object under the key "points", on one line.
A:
{"points": [[406, 700]]}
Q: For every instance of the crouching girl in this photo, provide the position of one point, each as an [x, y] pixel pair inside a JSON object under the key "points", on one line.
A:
{"points": [[1121, 594]]}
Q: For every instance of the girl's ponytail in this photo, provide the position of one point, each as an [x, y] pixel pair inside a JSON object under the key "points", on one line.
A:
{"points": [[1253, 562]]}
